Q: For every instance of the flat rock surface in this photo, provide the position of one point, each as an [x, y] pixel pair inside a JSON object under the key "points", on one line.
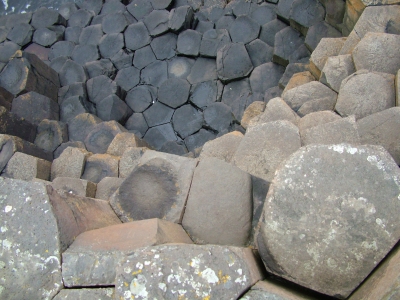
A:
{"points": [[322, 237]]}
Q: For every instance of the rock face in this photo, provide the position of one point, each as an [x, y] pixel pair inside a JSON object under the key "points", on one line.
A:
{"points": [[356, 223], [193, 271]]}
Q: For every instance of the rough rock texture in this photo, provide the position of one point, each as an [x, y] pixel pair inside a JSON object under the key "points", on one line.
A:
{"points": [[336, 69], [107, 186], [129, 160], [357, 224], [26, 167], [217, 186], [75, 186], [253, 110], [316, 118], [70, 163], [86, 294], [122, 141], [109, 245], [265, 146], [298, 79], [193, 271], [98, 166], [163, 180], [223, 147]]}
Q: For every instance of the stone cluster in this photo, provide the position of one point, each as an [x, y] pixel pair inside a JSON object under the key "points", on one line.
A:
{"points": [[200, 149]]}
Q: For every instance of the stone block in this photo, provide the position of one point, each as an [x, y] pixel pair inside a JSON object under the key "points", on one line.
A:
{"points": [[236, 95], [336, 69], [212, 41], [164, 181], [107, 186], [112, 108], [139, 8], [136, 36], [75, 186], [306, 13], [26, 167], [98, 166], [187, 120], [183, 264], [47, 37], [158, 135], [86, 294], [157, 22], [269, 30], [70, 163], [244, 30], [273, 71], [6, 98], [83, 54], [155, 73], [21, 34], [318, 31], [316, 118], [90, 35], [44, 17], [110, 245], [173, 92], [72, 72], [253, 110], [272, 93], [66, 9], [50, 135], [130, 159], [39, 51], [61, 48], [63, 146], [189, 42], [265, 146], [100, 67], [298, 79], [14, 125], [361, 215], [128, 78], [180, 18], [110, 44], [100, 137], [80, 126], [114, 23], [143, 57], [219, 117], [259, 52], [72, 34], [81, 18], [205, 93], [287, 41], [364, 93], [122, 141], [7, 50], [291, 69], [204, 69]]}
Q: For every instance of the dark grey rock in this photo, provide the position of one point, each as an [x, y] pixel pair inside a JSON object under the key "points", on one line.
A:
{"points": [[318, 31], [158, 135], [51, 134], [244, 30], [259, 52], [290, 70], [40, 51], [218, 116], [3, 33], [287, 41], [180, 67], [263, 13], [14, 125], [72, 34], [21, 34], [110, 44], [128, 78], [64, 146], [173, 147], [233, 62], [61, 48], [164, 46], [189, 42], [139, 8], [93, 5], [238, 8], [76, 89], [99, 166], [141, 97], [143, 57], [80, 126], [72, 72], [158, 114], [80, 18], [136, 36], [169, 176], [46, 37], [305, 13], [44, 17], [225, 22], [113, 108], [236, 95], [6, 98], [272, 71], [122, 59], [180, 18], [112, 6], [187, 120], [100, 67], [160, 4], [137, 124], [7, 49], [157, 22], [91, 35], [174, 92], [97, 20], [284, 9], [212, 41], [155, 73], [198, 139], [100, 137], [83, 54], [67, 9], [100, 87], [347, 216], [205, 93]]}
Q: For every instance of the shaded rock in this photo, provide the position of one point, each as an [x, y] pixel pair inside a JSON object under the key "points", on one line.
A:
{"points": [[21, 34], [110, 44], [21, 252], [99, 166], [223, 147], [26, 167], [236, 95], [114, 23], [7, 49], [213, 40], [137, 124], [364, 93], [204, 69], [291, 69], [318, 31], [272, 93], [164, 47], [61, 48], [210, 260], [112, 108], [72, 72], [6, 98], [91, 35], [107, 186], [122, 141], [83, 54], [180, 67], [75, 186], [272, 71], [63, 146], [218, 116], [158, 135], [305, 13], [139, 8], [128, 78], [259, 52], [158, 114], [57, 63], [76, 89], [39, 51], [100, 87], [265, 146], [13, 125], [81, 294], [233, 62], [173, 92], [100, 67], [46, 37], [315, 119], [112, 6], [335, 132], [80, 126], [298, 79], [198, 139], [44, 17], [287, 41], [205, 93], [174, 147], [269, 30], [345, 217], [180, 18], [244, 30], [72, 34], [187, 120], [253, 110], [155, 73], [136, 36], [101, 135], [80, 18], [51, 134], [143, 57], [157, 22], [169, 177], [129, 160], [189, 42], [70, 163], [141, 97], [109, 245], [35, 107], [336, 69]]}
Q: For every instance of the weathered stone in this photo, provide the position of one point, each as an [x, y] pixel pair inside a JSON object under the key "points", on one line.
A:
{"points": [[90, 35], [158, 135], [346, 217], [157, 22], [173, 92], [180, 67], [21, 34], [306, 13], [86, 294], [122, 141], [336, 69], [315, 119], [110, 245], [26, 167], [195, 141], [24, 206], [291, 69], [110, 44], [143, 57], [112, 108], [98, 166], [72, 72], [284, 9], [27, 73], [377, 52], [63, 146], [263, 13], [233, 62], [318, 31], [80, 18], [236, 95], [158, 114], [35, 107], [39, 51], [101, 136], [10, 20], [83, 54], [129, 160], [265, 146], [100, 87], [114, 23], [189, 42], [160, 4], [272, 71], [139, 8], [287, 41], [155, 73], [112, 6], [75, 186], [269, 30], [66, 9], [218, 116], [188, 261], [93, 5], [16, 126], [275, 110], [70, 163], [46, 37], [272, 93], [180, 18], [174, 147], [128, 78], [141, 97], [136, 36], [364, 93], [204, 69], [327, 47], [76, 89], [61, 48], [44, 17], [223, 147], [203, 26], [7, 50], [51, 134], [187, 120], [205, 93], [259, 52], [80, 126], [72, 34], [213, 40], [71, 107], [244, 30], [238, 8], [100, 67], [57, 63], [10, 144], [107, 186], [253, 110], [298, 79], [310, 92], [300, 55], [164, 181]]}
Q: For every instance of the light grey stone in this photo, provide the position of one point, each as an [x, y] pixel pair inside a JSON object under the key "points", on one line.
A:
{"points": [[26, 167], [336, 69], [70, 163], [222, 147]]}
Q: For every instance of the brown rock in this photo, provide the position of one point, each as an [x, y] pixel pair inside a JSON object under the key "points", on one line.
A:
{"points": [[124, 140], [253, 110], [26, 167]]}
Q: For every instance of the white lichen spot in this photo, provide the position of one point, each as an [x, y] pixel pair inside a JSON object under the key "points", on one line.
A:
{"points": [[337, 148], [351, 150], [162, 286], [239, 271], [3, 228], [8, 208], [138, 287], [380, 222], [139, 265], [127, 270], [241, 280], [302, 236], [146, 263], [127, 295], [157, 256], [182, 292], [5, 2], [195, 263], [2, 264], [7, 244], [332, 263], [371, 246], [209, 275]]}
